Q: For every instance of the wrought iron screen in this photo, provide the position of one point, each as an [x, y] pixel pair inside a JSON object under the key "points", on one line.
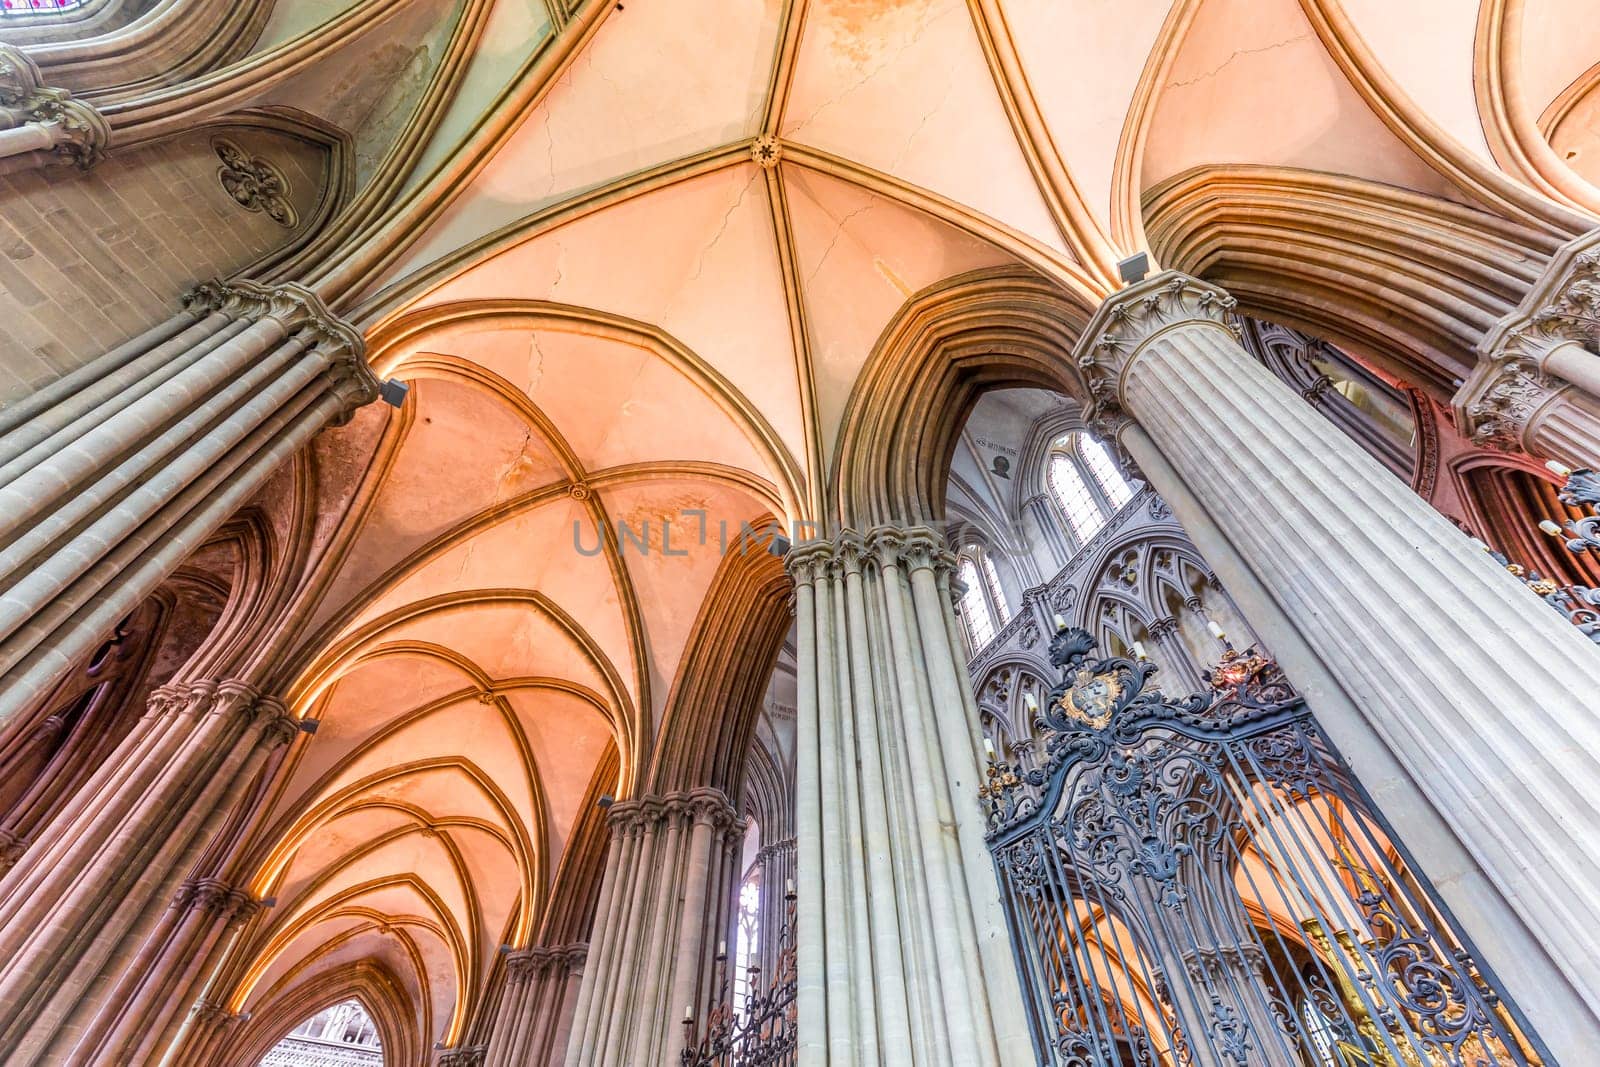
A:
{"points": [[1201, 881], [764, 1033]]}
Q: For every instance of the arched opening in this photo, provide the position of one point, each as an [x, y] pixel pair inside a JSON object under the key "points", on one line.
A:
{"points": [[336, 1036]]}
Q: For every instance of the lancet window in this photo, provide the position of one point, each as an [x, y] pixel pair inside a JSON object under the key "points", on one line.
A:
{"points": [[747, 938], [1085, 483], [984, 608]]}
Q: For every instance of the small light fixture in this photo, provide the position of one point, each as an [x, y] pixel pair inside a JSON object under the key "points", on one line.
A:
{"points": [[779, 546], [606, 800], [309, 726], [393, 392], [1133, 269]]}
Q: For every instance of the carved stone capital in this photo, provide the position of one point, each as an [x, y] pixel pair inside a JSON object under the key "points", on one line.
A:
{"points": [[623, 817], [1160, 628], [1129, 320], [1499, 400], [1562, 307], [301, 312], [12, 846], [911, 548], [212, 1013], [852, 552], [809, 561], [522, 963], [708, 807], [78, 133], [466, 1056]]}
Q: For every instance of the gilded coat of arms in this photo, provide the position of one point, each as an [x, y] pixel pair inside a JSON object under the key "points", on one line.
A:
{"points": [[1092, 699]]}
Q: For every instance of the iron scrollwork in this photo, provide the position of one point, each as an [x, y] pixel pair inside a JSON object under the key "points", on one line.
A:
{"points": [[1200, 880], [765, 1033]]}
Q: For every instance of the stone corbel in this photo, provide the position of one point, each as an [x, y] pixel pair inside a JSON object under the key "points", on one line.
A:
{"points": [[1532, 356], [37, 118]]}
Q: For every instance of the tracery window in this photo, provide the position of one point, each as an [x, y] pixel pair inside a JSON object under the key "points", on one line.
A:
{"points": [[746, 938], [975, 610], [8, 7], [1086, 484]]}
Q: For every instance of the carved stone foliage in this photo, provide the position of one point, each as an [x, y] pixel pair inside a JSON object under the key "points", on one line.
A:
{"points": [[1509, 384], [254, 183], [1499, 400], [79, 133], [1130, 318]]}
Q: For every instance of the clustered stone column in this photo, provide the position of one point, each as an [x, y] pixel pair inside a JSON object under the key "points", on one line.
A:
{"points": [[1536, 387], [1410, 619], [114, 474], [36, 118], [903, 956], [1180, 675], [534, 1020], [89, 948], [209, 1024], [777, 874], [148, 1005], [664, 904]]}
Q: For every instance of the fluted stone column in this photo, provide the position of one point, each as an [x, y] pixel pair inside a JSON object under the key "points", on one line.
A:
{"points": [[660, 914], [903, 957], [37, 118], [112, 476], [537, 1000], [1485, 696], [77, 916], [1536, 387]]}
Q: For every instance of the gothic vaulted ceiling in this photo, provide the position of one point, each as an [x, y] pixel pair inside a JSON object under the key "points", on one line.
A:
{"points": [[648, 252]]}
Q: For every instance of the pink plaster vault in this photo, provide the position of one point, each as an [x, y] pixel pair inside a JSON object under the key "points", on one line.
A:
{"points": [[612, 313]]}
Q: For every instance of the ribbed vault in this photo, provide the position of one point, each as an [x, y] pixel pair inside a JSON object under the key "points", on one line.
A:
{"points": [[655, 280]]}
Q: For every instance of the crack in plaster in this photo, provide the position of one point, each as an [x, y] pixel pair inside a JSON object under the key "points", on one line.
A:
{"points": [[889, 60], [838, 232], [1238, 53]]}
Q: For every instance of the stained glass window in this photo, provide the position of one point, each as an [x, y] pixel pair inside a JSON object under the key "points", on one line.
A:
{"points": [[746, 943], [974, 605], [10, 7]]}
